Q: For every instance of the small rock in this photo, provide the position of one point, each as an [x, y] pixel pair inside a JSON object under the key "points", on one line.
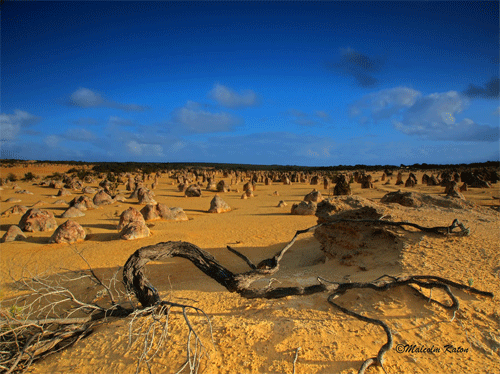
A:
{"points": [[12, 234], [37, 220], [69, 232]]}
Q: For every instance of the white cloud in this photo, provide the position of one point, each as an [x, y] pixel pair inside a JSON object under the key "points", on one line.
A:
{"points": [[52, 141], [117, 121], [79, 134], [146, 149], [86, 98], [193, 119], [11, 124], [432, 116], [385, 103], [231, 99], [323, 115]]}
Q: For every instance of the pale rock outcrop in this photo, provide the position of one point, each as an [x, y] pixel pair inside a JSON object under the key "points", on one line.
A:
{"points": [[13, 233], [314, 196], [135, 230], [16, 209], [69, 232], [193, 191], [102, 198], [342, 187], [72, 212], [82, 203], [129, 215], [217, 205], [37, 220], [304, 208], [145, 196]]}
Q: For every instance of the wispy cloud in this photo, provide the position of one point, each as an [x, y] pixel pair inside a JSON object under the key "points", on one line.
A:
{"points": [[229, 98], [193, 119], [430, 117], [86, 98], [491, 90], [86, 122], [308, 120], [145, 149], [117, 121], [11, 124], [79, 135], [357, 65]]}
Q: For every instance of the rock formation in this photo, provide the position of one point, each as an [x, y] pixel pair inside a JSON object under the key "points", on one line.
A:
{"points": [[12, 234], [129, 215], [102, 198], [193, 191], [72, 212], [304, 208], [69, 232], [342, 187], [37, 220], [217, 205], [314, 196]]}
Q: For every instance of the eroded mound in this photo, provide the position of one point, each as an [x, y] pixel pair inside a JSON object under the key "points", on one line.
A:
{"points": [[345, 236]]}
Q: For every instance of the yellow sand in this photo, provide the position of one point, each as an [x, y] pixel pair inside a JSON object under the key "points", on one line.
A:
{"points": [[262, 336]]}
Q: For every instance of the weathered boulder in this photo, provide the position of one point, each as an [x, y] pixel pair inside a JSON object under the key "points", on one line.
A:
{"points": [[342, 187], [63, 192], [57, 202], [24, 192], [89, 189], [145, 196], [72, 212], [452, 190], [82, 203], [248, 186], [416, 200], [304, 208], [343, 235], [16, 209], [411, 181], [69, 232], [432, 181], [13, 200], [129, 215], [222, 186], [37, 220], [399, 179], [102, 198], [135, 230], [217, 205], [193, 191], [282, 204], [12, 234], [314, 196], [160, 211], [211, 185]]}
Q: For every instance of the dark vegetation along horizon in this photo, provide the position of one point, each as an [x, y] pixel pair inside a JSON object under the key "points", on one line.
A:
{"points": [[117, 167]]}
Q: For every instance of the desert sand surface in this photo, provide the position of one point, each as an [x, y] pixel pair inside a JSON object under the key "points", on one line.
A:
{"points": [[263, 336]]}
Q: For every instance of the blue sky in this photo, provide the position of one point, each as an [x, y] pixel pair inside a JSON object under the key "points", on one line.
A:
{"points": [[300, 83]]}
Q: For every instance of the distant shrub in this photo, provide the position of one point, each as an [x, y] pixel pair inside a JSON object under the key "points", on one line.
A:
{"points": [[11, 177], [29, 176], [56, 176]]}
